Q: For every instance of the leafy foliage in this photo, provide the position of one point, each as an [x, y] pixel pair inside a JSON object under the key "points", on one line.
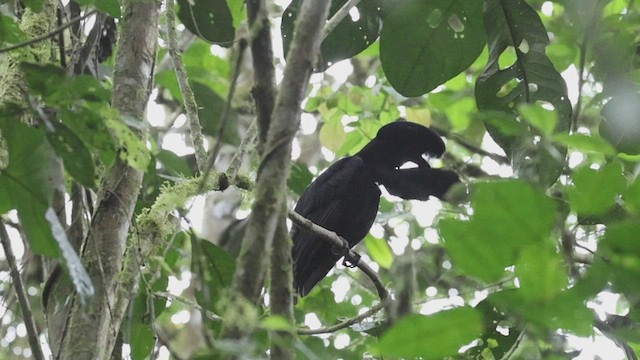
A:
{"points": [[538, 248]]}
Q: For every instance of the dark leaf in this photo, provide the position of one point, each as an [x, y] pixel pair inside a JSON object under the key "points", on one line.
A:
{"points": [[348, 39], [425, 43], [208, 19], [529, 77], [74, 153]]}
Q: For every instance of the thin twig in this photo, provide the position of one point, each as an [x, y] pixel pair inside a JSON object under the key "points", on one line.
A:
{"points": [[354, 320], [224, 117], [337, 241], [338, 17], [248, 140], [188, 97], [51, 34], [168, 296], [27, 315]]}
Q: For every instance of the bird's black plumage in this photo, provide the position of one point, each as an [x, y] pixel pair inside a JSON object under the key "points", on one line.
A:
{"points": [[346, 196]]}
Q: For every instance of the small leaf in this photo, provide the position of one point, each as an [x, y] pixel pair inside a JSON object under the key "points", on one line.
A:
{"points": [[585, 143], [332, 135], [299, 178], [217, 273], [379, 251], [434, 336], [133, 150], [275, 322]]}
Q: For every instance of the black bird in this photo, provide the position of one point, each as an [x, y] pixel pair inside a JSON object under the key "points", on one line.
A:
{"points": [[345, 198]]}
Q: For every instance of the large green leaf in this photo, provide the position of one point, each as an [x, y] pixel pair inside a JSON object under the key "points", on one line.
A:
{"points": [[25, 183], [512, 26], [434, 336], [208, 19], [595, 191], [348, 39], [508, 216], [74, 153], [217, 274], [425, 43]]}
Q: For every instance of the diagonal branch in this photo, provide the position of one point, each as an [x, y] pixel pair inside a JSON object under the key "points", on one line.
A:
{"points": [[337, 241]]}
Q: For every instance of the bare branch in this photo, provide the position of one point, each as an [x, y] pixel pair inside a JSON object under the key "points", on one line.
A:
{"points": [[354, 320], [337, 17], [337, 241], [187, 93], [27, 315]]}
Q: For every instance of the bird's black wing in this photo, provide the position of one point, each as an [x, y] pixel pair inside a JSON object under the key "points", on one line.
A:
{"points": [[417, 183], [343, 199]]}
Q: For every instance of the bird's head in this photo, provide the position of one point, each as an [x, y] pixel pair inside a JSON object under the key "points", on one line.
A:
{"points": [[401, 141]]}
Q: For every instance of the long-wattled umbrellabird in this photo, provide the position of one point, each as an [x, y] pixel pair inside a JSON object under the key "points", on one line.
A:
{"points": [[345, 198]]}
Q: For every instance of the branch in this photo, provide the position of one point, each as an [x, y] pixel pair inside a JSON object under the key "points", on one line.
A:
{"points": [[270, 188], [51, 34], [337, 241], [224, 117], [337, 17], [187, 93], [247, 141], [264, 78], [281, 292], [168, 296], [354, 320], [27, 315]]}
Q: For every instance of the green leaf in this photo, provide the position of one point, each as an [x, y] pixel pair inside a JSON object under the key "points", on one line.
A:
{"points": [[595, 191], [541, 272], [111, 7], [58, 89], [300, 177], [508, 216], [90, 127], [425, 43], [10, 31], [469, 254], [25, 183], [585, 143], [277, 323], [76, 157], [632, 197], [620, 247], [332, 135], [348, 39], [531, 78], [141, 339], [217, 274], [174, 164], [379, 251], [133, 149], [434, 336], [208, 19], [542, 119]]}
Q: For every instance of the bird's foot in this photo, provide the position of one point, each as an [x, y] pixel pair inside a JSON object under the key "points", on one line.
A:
{"points": [[351, 264], [341, 250]]}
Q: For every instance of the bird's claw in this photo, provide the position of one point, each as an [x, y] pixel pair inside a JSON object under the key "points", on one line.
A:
{"points": [[341, 250], [352, 264]]}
